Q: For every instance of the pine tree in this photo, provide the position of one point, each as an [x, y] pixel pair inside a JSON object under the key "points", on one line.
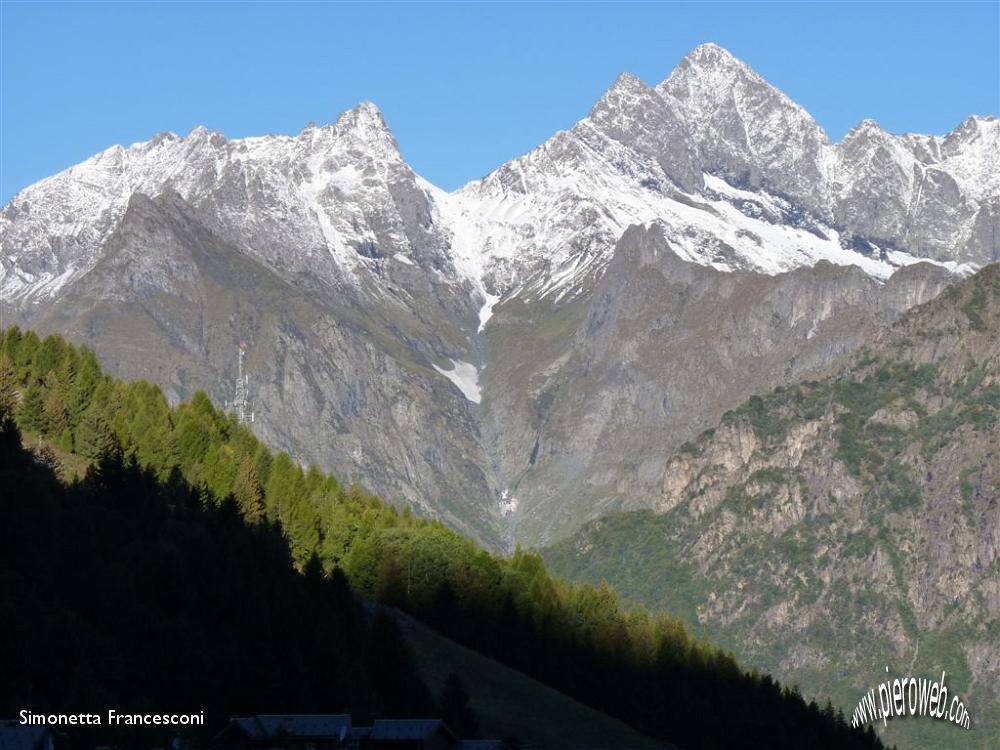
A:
{"points": [[67, 372], [8, 387], [26, 350], [85, 381], [248, 492], [56, 414], [302, 529], [10, 340], [94, 437], [31, 410], [48, 357]]}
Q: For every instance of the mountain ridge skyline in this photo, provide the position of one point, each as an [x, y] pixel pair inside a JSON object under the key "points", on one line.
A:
{"points": [[237, 94], [371, 103], [712, 115]]}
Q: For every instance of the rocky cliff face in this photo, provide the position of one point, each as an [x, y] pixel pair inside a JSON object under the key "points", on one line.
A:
{"points": [[845, 523], [366, 294], [922, 193], [746, 130], [335, 380], [580, 412]]}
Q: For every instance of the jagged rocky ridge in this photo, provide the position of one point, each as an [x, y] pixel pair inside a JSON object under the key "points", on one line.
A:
{"points": [[842, 524], [365, 293]]}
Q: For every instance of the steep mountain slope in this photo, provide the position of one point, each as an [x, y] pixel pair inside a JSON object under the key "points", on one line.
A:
{"points": [[937, 197], [843, 524], [367, 296], [582, 410], [63, 541], [165, 469], [511, 704], [328, 203], [122, 589], [332, 372]]}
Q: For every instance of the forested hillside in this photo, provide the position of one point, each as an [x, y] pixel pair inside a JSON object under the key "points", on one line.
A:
{"points": [[128, 591], [844, 524], [157, 551]]}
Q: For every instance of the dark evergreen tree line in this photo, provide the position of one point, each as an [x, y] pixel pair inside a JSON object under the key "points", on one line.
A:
{"points": [[641, 667], [125, 590]]}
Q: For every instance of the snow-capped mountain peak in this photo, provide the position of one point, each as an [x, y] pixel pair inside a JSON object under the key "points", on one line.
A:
{"points": [[365, 126], [709, 76], [715, 61], [747, 130], [867, 125], [625, 89], [721, 159], [329, 199], [737, 173]]}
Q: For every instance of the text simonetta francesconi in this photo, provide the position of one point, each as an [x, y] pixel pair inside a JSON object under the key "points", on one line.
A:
{"points": [[111, 717]]}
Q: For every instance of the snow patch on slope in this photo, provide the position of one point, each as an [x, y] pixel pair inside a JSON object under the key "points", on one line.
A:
{"points": [[465, 377], [486, 311], [507, 504], [539, 222], [470, 247]]}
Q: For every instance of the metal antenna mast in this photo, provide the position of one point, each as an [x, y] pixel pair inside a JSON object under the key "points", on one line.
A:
{"points": [[241, 399]]}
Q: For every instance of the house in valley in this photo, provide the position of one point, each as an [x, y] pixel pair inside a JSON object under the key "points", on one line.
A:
{"points": [[318, 731], [336, 732], [17, 736]]}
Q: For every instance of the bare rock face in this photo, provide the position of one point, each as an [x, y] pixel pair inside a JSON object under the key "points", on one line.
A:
{"points": [[580, 421], [905, 192], [746, 130], [335, 380], [652, 124], [914, 192], [984, 239]]}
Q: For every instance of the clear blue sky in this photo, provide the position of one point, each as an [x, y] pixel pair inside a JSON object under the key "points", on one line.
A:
{"points": [[464, 87]]}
